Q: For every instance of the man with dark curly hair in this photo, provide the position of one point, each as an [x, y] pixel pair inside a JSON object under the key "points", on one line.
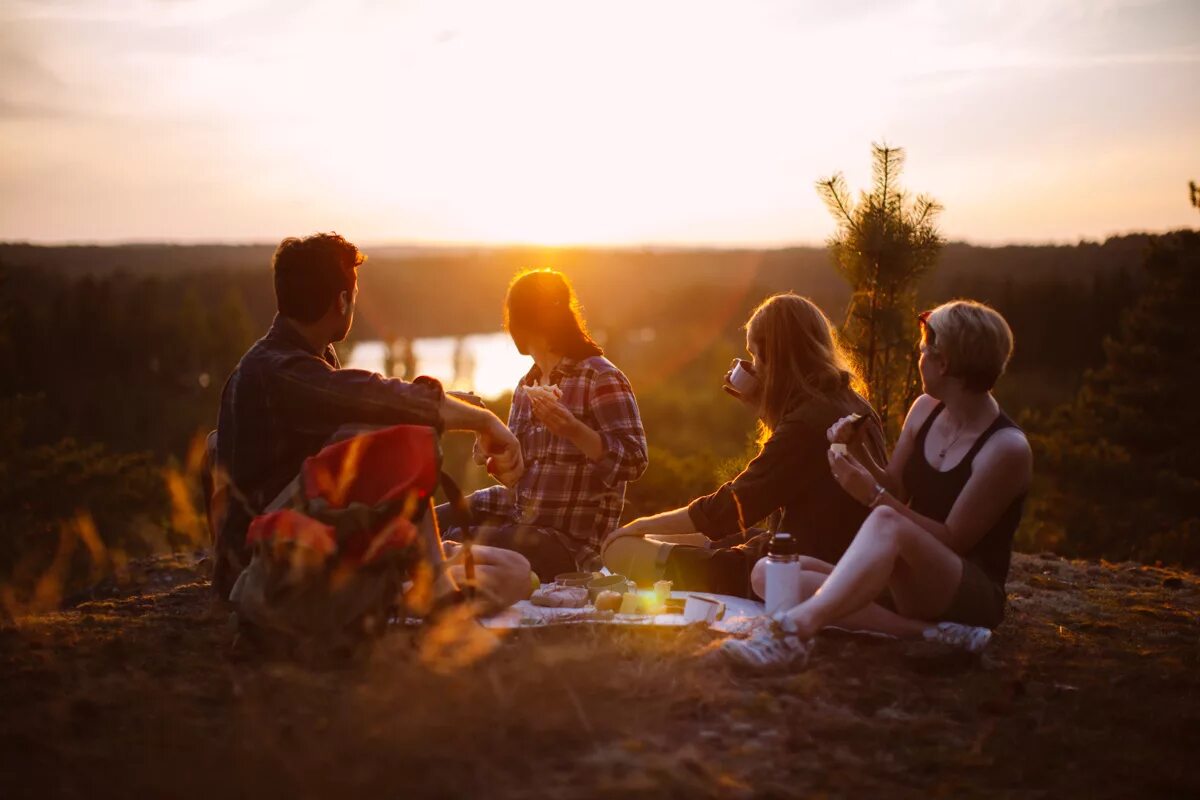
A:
{"points": [[289, 394]]}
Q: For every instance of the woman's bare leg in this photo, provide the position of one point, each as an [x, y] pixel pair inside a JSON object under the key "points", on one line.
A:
{"points": [[873, 617], [889, 549]]}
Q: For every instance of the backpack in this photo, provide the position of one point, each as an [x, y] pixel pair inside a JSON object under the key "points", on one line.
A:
{"points": [[329, 561]]}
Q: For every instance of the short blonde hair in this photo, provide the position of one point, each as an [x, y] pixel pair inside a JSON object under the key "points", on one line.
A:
{"points": [[973, 338]]}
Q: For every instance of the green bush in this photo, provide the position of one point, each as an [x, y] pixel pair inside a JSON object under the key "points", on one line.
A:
{"points": [[1118, 468]]}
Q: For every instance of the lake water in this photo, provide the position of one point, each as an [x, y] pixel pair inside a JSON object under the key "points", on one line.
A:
{"points": [[485, 363]]}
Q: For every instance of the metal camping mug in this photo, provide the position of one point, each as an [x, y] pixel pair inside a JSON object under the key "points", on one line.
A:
{"points": [[743, 379], [701, 609]]}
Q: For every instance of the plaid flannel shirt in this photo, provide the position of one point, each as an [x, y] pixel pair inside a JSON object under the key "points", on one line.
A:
{"points": [[562, 490]]}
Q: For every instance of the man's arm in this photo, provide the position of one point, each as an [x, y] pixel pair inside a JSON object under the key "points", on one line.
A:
{"points": [[497, 440], [318, 398]]}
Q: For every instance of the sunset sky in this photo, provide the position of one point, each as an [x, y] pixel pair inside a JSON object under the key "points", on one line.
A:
{"points": [[607, 122]]}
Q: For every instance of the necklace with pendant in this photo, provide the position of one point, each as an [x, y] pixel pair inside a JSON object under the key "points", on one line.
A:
{"points": [[946, 449]]}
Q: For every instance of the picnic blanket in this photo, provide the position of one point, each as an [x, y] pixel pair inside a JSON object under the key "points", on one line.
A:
{"points": [[739, 614]]}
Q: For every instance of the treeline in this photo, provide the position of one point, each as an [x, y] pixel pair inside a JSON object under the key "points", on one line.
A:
{"points": [[105, 384], [112, 359], [1061, 299], [434, 292]]}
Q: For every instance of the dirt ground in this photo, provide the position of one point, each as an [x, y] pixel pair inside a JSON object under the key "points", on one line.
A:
{"points": [[1091, 688]]}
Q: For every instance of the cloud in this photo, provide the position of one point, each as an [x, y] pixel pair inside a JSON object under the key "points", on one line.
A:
{"points": [[613, 116]]}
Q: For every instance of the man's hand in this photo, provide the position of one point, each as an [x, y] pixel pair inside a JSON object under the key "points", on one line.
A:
{"points": [[502, 448], [503, 452], [478, 453]]}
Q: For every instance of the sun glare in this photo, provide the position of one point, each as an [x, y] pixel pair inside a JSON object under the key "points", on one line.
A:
{"points": [[487, 364]]}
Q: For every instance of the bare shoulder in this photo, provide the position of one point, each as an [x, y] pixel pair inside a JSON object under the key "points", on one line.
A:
{"points": [[921, 408], [1008, 449]]}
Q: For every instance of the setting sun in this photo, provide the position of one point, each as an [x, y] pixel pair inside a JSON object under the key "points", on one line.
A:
{"points": [[599, 399]]}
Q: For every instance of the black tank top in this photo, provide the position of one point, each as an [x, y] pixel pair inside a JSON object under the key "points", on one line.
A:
{"points": [[932, 493]]}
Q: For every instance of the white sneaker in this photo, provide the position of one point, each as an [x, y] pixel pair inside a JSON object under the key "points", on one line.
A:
{"points": [[955, 634], [769, 648]]}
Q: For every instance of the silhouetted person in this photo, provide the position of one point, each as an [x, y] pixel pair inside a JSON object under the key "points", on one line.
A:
{"points": [[803, 384], [581, 434], [289, 394]]}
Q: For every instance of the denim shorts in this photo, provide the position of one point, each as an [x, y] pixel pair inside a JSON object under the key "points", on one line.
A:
{"points": [[978, 599]]}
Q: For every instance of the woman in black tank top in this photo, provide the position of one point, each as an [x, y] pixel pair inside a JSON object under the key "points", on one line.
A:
{"points": [[932, 557], [932, 492]]}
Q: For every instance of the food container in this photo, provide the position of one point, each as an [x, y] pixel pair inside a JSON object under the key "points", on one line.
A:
{"points": [[630, 603], [608, 583], [674, 605], [573, 578], [662, 590]]}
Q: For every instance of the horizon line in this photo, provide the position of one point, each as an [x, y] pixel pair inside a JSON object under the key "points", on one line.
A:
{"points": [[368, 244]]}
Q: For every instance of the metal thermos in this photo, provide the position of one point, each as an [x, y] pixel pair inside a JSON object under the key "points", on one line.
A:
{"points": [[783, 572]]}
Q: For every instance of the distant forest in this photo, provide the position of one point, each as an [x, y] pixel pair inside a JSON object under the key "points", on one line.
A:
{"points": [[112, 359], [415, 292], [180, 316]]}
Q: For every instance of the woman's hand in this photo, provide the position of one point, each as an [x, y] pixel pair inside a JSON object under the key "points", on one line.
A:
{"points": [[847, 430], [675, 521], [556, 417], [853, 477], [559, 420], [727, 385], [638, 527]]}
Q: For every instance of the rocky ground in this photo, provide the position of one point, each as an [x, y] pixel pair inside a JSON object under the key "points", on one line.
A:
{"points": [[1091, 688]]}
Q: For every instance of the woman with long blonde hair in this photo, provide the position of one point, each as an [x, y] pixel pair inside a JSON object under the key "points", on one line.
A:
{"points": [[801, 384], [936, 546]]}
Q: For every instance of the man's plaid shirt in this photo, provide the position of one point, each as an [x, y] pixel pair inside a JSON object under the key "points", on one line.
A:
{"points": [[561, 490]]}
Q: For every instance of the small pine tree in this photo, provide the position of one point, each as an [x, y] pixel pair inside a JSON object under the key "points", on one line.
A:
{"points": [[884, 245], [1118, 468]]}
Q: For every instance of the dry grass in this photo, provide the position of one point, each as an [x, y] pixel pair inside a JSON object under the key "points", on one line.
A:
{"points": [[1091, 689]]}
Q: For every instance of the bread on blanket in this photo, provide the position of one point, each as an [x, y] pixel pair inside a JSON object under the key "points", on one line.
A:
{"points": [[554, 596]]}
